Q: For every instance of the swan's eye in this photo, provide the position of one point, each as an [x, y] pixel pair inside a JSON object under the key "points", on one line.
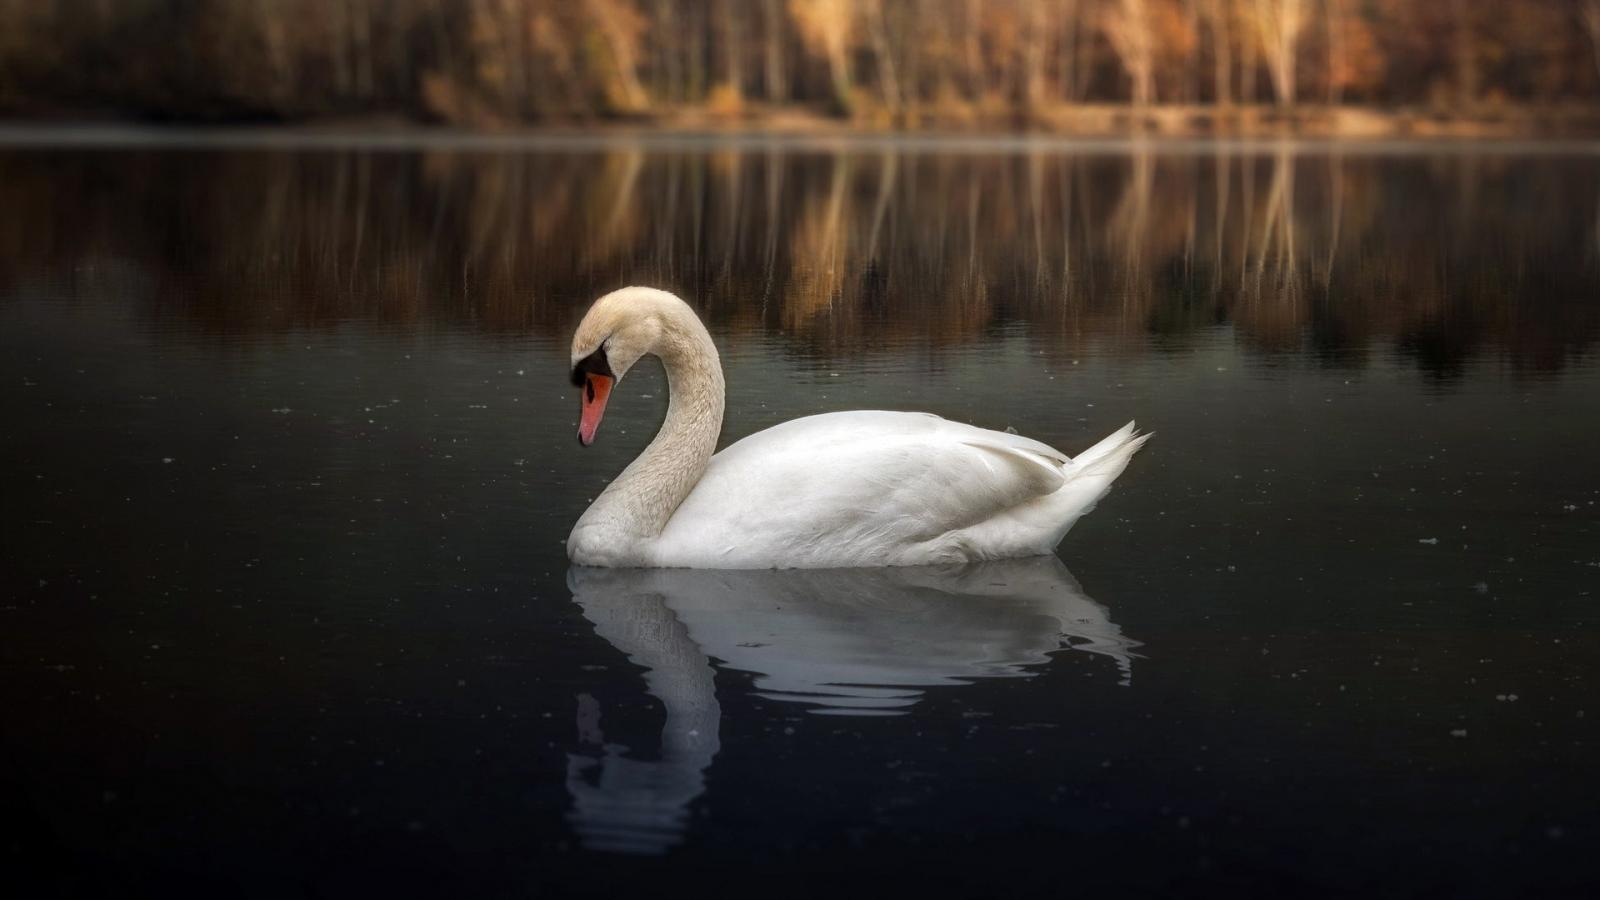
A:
{"points": [[593, 364]]}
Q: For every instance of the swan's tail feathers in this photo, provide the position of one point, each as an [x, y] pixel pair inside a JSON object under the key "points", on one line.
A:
{"points": [[1090, 475], [1116, 449]]}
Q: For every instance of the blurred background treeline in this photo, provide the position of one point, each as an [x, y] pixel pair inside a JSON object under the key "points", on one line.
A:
{"points": [[1213, 65]]}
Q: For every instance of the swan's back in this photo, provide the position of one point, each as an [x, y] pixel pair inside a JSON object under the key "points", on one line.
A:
{"points": [[885, 488]]}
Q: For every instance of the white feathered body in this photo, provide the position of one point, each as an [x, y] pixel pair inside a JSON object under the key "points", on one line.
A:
{"points": [[876, 488]]}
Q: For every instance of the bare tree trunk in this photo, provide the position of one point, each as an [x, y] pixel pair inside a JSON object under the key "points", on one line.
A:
{"points": [[1591, 24], [1280, 23], [508, 19], [621, 46], [884, 54], [912, 54], [1222, 51], [975, 76], [1034, 53], [774, 51], [1067, 59], [1247, 74], [839, 65], [827, 26], [731, 33], [1466, 54], [668, 49], [272, 32], [1085, 54], [339, 44], [360, 12], [521, 43], [399, 62], [1336, 58], [1191, 68], [1127, 27], [694, 69], [442, 44]]}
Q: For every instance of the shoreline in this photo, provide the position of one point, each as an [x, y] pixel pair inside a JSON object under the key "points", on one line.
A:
{"points": [[1171, 128]]}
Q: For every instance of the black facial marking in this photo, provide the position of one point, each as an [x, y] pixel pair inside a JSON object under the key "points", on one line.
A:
{"points": [[596, 364]]}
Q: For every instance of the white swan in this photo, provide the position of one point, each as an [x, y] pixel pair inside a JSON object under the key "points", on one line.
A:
{"points": [[847, 489]]}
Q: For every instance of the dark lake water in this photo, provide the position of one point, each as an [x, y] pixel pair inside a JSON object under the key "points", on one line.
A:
{"points": [[287, 461]]}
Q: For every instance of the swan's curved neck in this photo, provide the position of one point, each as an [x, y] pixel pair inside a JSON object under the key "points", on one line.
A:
{"points": [[643, 498]]}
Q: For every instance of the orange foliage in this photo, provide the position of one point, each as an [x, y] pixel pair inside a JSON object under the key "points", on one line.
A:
{"points": [[481, 61]]}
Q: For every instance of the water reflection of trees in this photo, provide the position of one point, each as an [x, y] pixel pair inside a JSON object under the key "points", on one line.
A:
{"points": [[1440, 256]]}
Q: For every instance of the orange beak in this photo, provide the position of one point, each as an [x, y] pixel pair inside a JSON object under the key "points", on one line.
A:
{"points": [[596, 388]]}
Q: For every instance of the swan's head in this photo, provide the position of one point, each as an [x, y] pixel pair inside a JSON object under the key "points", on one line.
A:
{"points": [[618, 329]]}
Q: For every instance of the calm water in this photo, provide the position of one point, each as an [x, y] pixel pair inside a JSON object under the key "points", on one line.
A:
{"points": [[288, 461]]}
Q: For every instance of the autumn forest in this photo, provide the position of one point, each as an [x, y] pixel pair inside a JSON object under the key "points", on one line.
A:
{"points": [[879, 63]]}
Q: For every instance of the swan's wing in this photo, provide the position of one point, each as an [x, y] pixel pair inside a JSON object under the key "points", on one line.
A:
{"points": [[852, 489]]}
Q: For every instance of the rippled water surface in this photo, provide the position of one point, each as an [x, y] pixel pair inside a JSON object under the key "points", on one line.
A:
{"points": [[287, 457]]}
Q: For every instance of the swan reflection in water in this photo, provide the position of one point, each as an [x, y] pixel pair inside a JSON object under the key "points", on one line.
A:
{"points": [[843, 641]]}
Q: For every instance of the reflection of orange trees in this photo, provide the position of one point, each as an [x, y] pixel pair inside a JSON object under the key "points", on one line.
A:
{"points": [[843, 287], [1444, 257], [1128, 227], [1273, 297], [819, 249], [1596, 241]]}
